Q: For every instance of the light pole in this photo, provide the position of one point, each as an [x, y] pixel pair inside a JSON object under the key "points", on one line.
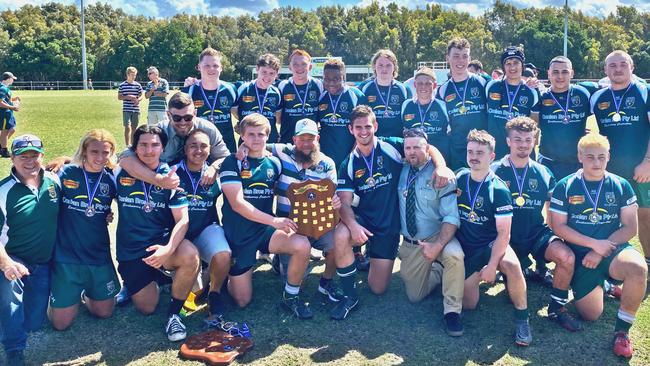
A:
{"points": [[84, 67], [566, 25]]}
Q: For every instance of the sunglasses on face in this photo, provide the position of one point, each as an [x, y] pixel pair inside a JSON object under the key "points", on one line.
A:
{"points": [[186, 118]]}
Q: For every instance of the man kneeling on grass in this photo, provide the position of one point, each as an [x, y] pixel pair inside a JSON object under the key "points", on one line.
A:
{"points": [[595, 212], [150, 231]]}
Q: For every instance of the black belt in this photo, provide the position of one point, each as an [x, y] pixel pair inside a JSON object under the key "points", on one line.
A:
{"points": [[414, 242]]}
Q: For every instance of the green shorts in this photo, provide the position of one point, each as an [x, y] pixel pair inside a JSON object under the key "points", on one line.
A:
{"points": [[131, 118], [536, 247], [477, 259], [642, 191], [69, 280], [585, 279]]}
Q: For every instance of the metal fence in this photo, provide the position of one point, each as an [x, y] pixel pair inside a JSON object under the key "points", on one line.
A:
{"points": [[76, 85]]}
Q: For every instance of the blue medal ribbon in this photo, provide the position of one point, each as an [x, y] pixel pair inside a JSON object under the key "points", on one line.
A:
{"points": [[617, 105], [335, 105], [511, 101], [390, 87], [520, 183], [472, 200], [195, 185], [593, 202], [91, 196], [464, 89], [207, 101], [302, 102], [423, 115], [566, 108], [257, 93]]}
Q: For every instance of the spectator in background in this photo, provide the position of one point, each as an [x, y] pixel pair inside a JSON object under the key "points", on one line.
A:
{"points": [[8, 105], [476, 67], [157, 91], [497, 74], [130, 93]]}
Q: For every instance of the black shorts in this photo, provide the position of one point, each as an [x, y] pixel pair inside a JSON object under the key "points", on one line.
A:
{"points": [[381, 246], [244, 255], [136, 275], [535, 247]]}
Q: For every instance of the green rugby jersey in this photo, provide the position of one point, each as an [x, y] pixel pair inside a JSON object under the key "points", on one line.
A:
{"points": [[378, 205], [299, 101], [562, 120], [629, 136], [472, 91], [537, 187], [214, 106], [506, 102], [202, 200], [571, 199], [158, 104], [257, 177], [334, 111], [137, 229], [82, 239], [386, 102], [29, 217], [251, 99], [432, 119], [491, 201], [5, 95]]}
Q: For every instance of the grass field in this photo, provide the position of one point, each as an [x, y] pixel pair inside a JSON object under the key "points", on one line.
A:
{"points": [[385, 330]]}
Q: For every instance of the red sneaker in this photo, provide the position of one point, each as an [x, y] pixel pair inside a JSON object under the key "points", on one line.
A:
{"points": [[622, 345]]}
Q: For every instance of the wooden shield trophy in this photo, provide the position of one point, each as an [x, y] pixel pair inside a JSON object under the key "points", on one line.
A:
{"points": [[311, 207]]}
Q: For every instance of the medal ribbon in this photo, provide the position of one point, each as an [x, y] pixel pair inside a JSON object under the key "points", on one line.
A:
{"points": [[390, 87], [600, 186], [303, 102], [207, 101], [195, 185], [91, 196], [411, 177], [257, 93], [520, 184], [464, 88], [144, 187], [335, 105], [372, 160], [511, 101], [618, 105], [566, 108], [423, 116], [472, 201]]}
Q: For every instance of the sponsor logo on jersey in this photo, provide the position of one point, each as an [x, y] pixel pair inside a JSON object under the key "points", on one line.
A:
{"points": [[223, 101], [70, 184], [479, 202], [359, 173], [450, 98], [576, 200], [394, 99], [289, 97], [610, 198], [629, 101], [408, 117], [602, 106], [495, 96], [270, 173], [104, 189], [248, 99], [548, 102], [523, 100], [272, 100], [245, 174], [344, 106], [371, 98], [533, 184], [198, 103], [474, 91], [313, 95], [323, 107], [127, 181], [576, 101]]}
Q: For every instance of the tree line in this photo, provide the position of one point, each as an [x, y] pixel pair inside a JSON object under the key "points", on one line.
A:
{"points": [[43, 42]]}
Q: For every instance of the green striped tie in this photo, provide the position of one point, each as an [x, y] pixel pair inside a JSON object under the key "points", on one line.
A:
{"points": [[411, 226]]}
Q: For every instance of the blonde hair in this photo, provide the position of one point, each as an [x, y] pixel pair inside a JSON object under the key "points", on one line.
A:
{"points": [[299, 52], [96, 134], [209, 51], [425, 71], [481, 137], [131, 69], [254, 120], [389, 55], [593, 139], [620, 53]]}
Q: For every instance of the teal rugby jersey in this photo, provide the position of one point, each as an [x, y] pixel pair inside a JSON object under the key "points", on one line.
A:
{"points": [[202, 200], [492, 201], [334, 111], [523, 99], [570, 199], [257, 178], [299, 101], [251, 99], [29, 217], [475, 116], [137, 229], [82, 239], [629, 136], [537, 188], [432, 119], [214, 106], [378, 204], [5, 95], [386, 102]]}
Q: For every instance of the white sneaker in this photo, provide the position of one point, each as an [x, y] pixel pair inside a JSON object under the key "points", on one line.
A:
{"points": [[175, 329]]}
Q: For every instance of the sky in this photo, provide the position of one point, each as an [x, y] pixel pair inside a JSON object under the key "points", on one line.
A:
{"points": [[167, 8]]}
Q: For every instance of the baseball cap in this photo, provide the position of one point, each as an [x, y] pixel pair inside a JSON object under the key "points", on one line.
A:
{"points": [[306, 125], [8, 75], [25, 143], [512, 52]]}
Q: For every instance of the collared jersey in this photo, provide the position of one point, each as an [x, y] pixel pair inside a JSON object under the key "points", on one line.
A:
{"points": [[559, 137], [523, 101], [137, 229], [628, 137], [29, 217], [571, 200], [432, 119], [257, 177], [336, 141], [158, 103], [293, 172], [202, 203], [492, 201], [537, 188], [378, 205], [270, 100], [386, 102], [82, 239], [299, 101], [461, 123], [5, 95], [214, 106]]}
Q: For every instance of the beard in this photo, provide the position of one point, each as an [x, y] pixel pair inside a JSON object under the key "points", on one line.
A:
{"points": [[310, 159]]}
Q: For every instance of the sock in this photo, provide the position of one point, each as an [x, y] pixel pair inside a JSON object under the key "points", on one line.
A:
{"points": [[624, 321], [356, 249], [214, 303], [559, 298], [291, 290], [175, 306], [647, 261], [348, 276], [521, 314], [324, 281]]}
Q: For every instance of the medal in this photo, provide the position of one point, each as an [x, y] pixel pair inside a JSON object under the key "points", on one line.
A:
{"points": [[423, 116], [245, 164], [473, 216], [565, 109], [594, 217], [617, 114], [147, 207], [90, 210], [520, 201], [386, 113], [385, 101], [195, 184], [263, 101], [462, 109], [370, 182], [303, 102], [405, 193], [333, 119], [510, 116], [511, 101], [207, 101], [410, 179], [565, 120], [194, 200]]}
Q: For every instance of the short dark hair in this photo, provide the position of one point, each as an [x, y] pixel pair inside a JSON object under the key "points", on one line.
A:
{"points": [[476, 64], [196, 131], [334, 64], [179, 100], [481, 137], [144, 129], [522, 124], [460, 43], [360, 111]]}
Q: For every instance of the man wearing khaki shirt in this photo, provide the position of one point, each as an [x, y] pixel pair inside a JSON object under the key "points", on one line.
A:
{"points": [[429, 218]]}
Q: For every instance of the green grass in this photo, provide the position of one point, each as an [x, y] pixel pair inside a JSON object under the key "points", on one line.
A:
{"points": [[385, 330]]}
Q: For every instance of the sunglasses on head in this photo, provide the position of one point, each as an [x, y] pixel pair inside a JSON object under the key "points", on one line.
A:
{"points": [[186, 118], [25, 143], [415, 132]]}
